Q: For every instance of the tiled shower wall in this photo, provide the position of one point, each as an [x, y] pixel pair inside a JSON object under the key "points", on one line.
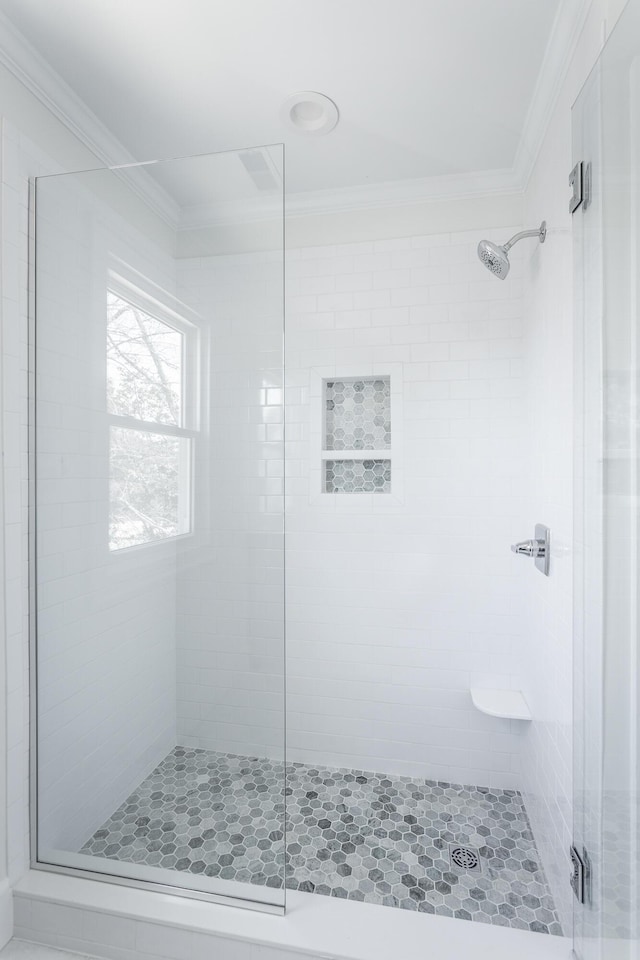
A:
{"points": [[106, 620], [106, 623], [230, 636], [396, 602]]}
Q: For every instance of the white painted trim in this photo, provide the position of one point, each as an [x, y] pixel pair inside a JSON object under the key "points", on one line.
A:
{"points": [[458, 186], [65, 912], [563, 40], [397, 193], [312, 203], [6, 913], [35, 73], [37, 76]]}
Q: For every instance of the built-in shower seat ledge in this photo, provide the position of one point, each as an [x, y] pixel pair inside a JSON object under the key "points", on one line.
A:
{"points": [[508, 704], [106, 920]]}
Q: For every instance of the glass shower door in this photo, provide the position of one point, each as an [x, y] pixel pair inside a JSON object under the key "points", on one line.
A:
{"points": [[606, 128], [158, 628]]}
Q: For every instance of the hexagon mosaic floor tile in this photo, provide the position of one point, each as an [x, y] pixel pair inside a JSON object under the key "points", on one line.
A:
{"points": [[453, 850]]}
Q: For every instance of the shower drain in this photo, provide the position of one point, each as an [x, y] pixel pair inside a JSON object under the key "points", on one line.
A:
{"points": [[466, 858]]}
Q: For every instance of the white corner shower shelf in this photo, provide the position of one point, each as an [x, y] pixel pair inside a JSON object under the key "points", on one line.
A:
{"points": [[508, 704]]}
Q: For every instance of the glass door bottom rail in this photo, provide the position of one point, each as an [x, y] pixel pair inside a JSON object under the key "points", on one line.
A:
{"points": [[440, 848]]}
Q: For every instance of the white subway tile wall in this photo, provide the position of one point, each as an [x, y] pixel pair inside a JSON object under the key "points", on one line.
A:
{"points": [[106, 620], [396, 605], [230, 628], [128, 641]]}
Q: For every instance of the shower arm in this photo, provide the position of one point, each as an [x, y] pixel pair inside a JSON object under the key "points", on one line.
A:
{"points": [[540, 233]]}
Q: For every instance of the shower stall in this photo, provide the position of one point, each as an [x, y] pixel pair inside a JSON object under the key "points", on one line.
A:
{"points": [[159, 623], [391, 750]]}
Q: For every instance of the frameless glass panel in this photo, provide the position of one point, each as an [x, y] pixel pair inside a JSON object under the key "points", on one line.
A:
{"points": [[606, 134], [158, 500]]}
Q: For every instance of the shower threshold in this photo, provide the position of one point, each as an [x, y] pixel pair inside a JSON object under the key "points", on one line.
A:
{"points": [[352, 835]]}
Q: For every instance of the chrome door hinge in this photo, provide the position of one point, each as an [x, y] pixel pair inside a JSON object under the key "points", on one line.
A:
{"points": [[580, 878], [580, 183]]}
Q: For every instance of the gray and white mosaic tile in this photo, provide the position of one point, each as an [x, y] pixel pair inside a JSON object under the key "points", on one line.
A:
{"points": [[358, 476], [358, 414], [350, 834]]}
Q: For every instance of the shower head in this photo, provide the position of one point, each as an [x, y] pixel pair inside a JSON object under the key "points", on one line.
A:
{"points": [[496, 257]]}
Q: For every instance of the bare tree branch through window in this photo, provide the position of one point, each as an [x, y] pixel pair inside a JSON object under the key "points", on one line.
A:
{"points": [[145, 361]]}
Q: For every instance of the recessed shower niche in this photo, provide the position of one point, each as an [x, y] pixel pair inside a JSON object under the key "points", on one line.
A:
{"points": [[357, 420]]}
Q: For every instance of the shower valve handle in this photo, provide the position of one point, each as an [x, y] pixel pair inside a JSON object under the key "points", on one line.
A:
{"points": [[530, 548], [539, 548]]}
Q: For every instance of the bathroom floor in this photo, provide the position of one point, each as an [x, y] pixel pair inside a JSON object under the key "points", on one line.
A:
{"points": [[457, 851]]}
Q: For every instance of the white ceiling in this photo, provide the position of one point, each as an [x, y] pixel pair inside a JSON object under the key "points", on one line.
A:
{"points": [[424, 87]]}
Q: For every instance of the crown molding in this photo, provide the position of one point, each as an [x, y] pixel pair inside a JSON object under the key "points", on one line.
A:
{"points": [[397, 193], [32, 70], [565, 33], [315, 203]]}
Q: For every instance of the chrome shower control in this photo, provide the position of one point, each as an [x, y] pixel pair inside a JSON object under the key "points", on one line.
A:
{"points": [[530, 548], [538, 548]]}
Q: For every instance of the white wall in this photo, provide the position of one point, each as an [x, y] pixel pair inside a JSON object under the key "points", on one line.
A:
{"points": [[106, 620], [395, 605], [25, 123], [230, 635], [107, 675]]}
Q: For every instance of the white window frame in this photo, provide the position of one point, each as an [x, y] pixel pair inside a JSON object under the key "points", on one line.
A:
{"points": [[188, 428]]}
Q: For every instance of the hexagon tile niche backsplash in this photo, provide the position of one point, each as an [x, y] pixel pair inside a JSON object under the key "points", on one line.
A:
{"points": [[358, 417], [358, 476]]}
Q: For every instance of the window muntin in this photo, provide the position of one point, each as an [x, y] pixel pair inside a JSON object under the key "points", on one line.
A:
{"points": [[149, 366]]}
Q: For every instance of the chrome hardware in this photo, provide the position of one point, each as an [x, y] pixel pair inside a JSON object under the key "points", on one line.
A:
{"points": [[588, 873], [576, 178], [580, 876], [587, 186], [537, 548], [529, 548]]}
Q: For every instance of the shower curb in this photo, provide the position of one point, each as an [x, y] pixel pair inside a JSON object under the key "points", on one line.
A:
{"points": [[117, 923]]}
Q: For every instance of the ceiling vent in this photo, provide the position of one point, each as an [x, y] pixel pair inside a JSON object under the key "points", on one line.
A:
{"points": [[256, 165]]}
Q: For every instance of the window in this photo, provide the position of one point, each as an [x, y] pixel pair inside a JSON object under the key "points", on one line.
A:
{"points": [[357, 419], [149, 366]]}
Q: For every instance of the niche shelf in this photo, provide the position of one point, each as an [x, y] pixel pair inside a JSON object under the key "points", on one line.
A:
{"points": [[508, 704]]}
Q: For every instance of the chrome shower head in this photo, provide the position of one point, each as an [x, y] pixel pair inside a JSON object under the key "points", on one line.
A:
{"points": [[496, 258]]}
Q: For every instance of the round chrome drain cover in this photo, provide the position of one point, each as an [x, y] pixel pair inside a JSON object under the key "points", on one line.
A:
{"points": [[465, 857]]}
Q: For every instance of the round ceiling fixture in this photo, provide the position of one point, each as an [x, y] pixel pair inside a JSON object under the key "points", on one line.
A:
{"points": [[310, 113]]}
